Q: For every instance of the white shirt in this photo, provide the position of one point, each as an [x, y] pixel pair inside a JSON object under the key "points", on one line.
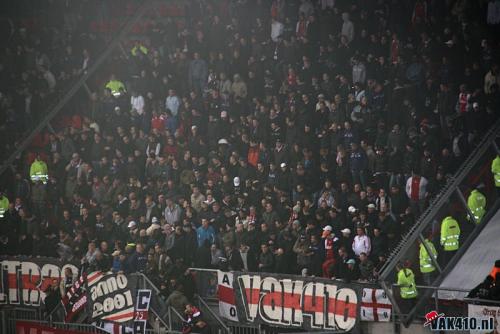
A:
{"points": [[173, 104], [137, 103], [51, 80], [276, 30], [348, 30], [361, 244]]}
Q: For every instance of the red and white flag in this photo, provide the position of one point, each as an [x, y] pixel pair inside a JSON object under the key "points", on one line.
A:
{"points": [[227, 302], [375, 305]]}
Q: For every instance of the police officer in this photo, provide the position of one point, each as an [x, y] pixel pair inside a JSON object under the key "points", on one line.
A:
{"points": [[407, 287], [477, 204], [115, 86], [427, 267], [139, 48], [495, 169], [39, 170], [450, 235], [4, 204]]}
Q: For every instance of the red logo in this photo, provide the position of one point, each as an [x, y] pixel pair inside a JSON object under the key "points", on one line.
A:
{"points": [[431, 316]]}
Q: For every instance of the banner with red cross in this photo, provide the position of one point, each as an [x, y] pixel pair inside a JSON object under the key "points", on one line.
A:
{"points": [[375, 306]]}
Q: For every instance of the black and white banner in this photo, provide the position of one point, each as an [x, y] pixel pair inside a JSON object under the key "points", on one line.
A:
{"points": [[111, 297], [23, 280], [140, 317], [294, 301]]}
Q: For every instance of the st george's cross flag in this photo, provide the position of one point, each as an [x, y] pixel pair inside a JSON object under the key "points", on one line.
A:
{"points": [[375, 306]]}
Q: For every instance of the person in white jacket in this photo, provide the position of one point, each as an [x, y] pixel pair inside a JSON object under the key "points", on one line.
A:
{"points": [[277, 29], [361, 243], [347, 27], [137, 103]]}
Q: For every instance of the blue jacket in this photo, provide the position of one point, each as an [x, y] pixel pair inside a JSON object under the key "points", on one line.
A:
{"points": [[136, 263], [205, 234], [358, 160], [117, 264]]}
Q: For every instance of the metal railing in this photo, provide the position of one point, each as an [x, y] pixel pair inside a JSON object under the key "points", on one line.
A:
{"points": [[450, 201], [157, 307], [206, 283], [439, 201], [212, 319], [175, 320], [481, 301], [55, 109]]}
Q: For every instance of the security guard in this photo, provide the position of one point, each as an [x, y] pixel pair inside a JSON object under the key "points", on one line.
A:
{"points": [[115, 86], [139, 48], [4, 205], [426, 265], [477, 204], [495, 169], [39, 170], [450, 235], [407, 287]]}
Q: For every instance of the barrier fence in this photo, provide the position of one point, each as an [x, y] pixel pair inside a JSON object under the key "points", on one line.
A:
{"points": [[450, 203]]}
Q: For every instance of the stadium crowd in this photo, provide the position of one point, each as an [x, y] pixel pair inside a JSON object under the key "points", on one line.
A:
{"points": [[301, 137]]}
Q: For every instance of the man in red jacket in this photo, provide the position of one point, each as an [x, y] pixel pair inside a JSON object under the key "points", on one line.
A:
{"points": [[329, 244]]}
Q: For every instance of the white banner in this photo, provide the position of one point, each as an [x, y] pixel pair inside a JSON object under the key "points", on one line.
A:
{"points": [[375, 306], [482, 311], [227, 303]]}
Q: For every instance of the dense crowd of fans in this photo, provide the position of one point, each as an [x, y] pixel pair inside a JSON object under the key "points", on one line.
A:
{"points": [[274, 136], [48, 46]]}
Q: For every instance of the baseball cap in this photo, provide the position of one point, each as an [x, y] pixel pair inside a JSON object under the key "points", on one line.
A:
{"points": [[283, 165], [351, 261], [371, 206], [351, 209], [346, 230], [223, 141], [327, 228], [132, 224]]}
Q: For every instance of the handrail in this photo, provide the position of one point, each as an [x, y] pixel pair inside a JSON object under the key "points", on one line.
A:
{"points": [[147, 280], [52, 112], [429, 214], [152, 286], [160, 319], [203, 269], [437, 288], [212, 313], [481, 301]]}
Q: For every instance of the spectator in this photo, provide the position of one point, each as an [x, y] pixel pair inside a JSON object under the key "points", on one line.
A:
{"points": [[300, 163], [361, 243], [266, 259], [177, 299], [416, 190], [366, 268], [205, 232], [52, 296]]}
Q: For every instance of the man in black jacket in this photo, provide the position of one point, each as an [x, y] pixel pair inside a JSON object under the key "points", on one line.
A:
{"points": [[53, 296], [266, 259], [248, 257]]}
